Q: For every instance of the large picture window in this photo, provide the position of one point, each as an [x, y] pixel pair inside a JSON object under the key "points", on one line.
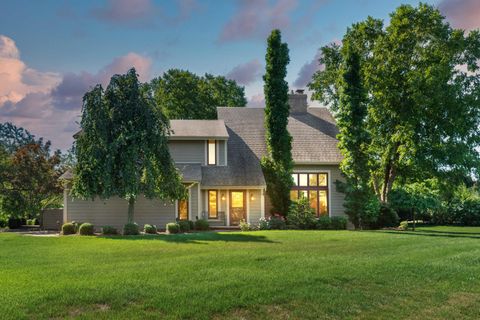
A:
{"points": [[212, 152], [212, 204], [314, 187]]}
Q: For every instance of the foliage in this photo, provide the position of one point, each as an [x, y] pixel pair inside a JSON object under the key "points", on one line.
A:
{"points": [[14, 222], [86, 229], [339, 223], [463, 208], [183, 95], [276, 222], [301, 215], [185, 225], [109, 230], [403, 226], [422, 109], [263, 224], [172, 227], [202, 224], [277, 166], [150, 228], [32, 222], [13, 137], [324, 223], [68, 228], [245, 226], [122, 149], [131, 229], [387, 217]]}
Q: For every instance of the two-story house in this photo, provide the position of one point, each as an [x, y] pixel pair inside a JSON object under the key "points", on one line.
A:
{"points": [[220, 164]]}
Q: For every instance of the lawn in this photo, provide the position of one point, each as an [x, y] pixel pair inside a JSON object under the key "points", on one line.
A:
{"points": [[433, 273]]}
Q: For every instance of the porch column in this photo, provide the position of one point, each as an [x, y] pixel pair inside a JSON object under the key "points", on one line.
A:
{"points": [[262, 203], [248, 206], [227, 209]]}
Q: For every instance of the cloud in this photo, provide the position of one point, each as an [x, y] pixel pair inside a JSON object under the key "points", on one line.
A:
{"points": [[256, 18], [142, 12], [256, 101], [307, 71], [16, 79], [49, 104], [464, 14], [246, 73]]}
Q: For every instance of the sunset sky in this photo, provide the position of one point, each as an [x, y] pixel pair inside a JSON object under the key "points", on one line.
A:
{"points": [[51, 52]]}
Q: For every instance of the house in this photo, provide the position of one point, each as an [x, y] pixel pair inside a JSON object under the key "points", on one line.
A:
{"points": [[220, 164]]}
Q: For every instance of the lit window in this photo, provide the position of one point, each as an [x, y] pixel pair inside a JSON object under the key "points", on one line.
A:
{"points": [[313, 187], [303, 177], [183, 209], [312, 179], [212, 204], [293, 195], [295, 179], [323, 202], [313, 199], [322, 179], [212, 152]]}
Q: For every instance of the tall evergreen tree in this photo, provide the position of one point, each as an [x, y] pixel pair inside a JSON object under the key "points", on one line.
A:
{"points": [[278, 165], [123, 149]]}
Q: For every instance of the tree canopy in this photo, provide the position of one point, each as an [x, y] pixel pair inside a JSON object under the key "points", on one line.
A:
{"points": [[182, 94], [421, 98], [122, 150]]}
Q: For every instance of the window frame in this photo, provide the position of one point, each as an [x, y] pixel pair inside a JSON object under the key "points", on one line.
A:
{"points": [[187, 202], [216, 204], [317, 188], [215, 152]]}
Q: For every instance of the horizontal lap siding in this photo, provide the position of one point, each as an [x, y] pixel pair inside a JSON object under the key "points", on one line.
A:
{"points": [[254, 206], [187, 151], [113, 212], [194, 202]]}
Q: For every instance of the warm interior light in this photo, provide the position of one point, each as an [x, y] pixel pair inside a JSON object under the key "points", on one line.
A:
{"points": [[223, 197], [252, 198]]}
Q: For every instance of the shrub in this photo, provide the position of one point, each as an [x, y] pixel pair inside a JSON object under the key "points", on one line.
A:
{"points": [[35, 222], [131, 229], [86, 229], [150, 229], [76, 225], [276, 222], [301, 215], [403, 225], [108, 230], [29, 222], [324, 223], [202, 224], [14, 223], [68, 228], [172, 227], [184, 225], [263, 224], [245, 226], [387, 217], [3, 223], [339, 223]]}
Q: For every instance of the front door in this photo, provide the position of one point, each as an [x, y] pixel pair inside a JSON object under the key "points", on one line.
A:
{"points": [[237, 207]]}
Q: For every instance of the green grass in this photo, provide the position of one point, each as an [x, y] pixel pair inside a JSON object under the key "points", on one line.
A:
{"points": [[256, 275]]}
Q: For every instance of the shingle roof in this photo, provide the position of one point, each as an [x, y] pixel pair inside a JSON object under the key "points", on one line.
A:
{"points": [[198, 129], [191, 171]]}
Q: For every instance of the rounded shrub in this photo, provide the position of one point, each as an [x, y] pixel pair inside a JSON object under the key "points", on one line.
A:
{"points": [[109, 230], [339, 223], [172, 227], [324, 223], [86, 229], [35, 222], [387, 218], [277, 223], [202, 224], [68, 228], [184, 225], [131, 229], [150, 229], [14, 223]]}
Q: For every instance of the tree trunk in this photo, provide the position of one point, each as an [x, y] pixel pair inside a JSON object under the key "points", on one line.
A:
{"points": [[131, 206]]}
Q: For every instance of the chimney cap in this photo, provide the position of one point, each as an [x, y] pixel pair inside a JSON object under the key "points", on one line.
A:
{"points": [[299, 91]]}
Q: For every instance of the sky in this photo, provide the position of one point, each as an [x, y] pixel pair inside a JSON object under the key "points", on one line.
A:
{"points": [[52, 52]]}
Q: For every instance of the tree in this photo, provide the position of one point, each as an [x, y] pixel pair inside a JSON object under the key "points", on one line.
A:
{"points": [[422, 105], [184, 95], [12, 137], [277, 166], [122, 150]]}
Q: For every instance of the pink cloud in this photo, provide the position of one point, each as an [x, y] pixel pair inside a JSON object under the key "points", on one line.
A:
{"points": [[307, 71], [256, 18], [246, 73], [464, 14], [256, 101]]}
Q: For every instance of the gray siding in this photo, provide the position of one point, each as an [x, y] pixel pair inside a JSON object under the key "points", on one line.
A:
{"points": [[191, 151], [194, 202], [255, 210], [336, 198], [113, 212], [221, 152]]}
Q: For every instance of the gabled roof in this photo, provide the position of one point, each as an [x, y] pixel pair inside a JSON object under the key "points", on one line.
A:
{"points": [[198, 129]]}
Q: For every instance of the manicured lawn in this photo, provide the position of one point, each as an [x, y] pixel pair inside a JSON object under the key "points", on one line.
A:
{"points": [[257, 275]]}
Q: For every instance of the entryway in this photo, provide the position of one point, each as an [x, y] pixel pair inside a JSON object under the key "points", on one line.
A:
{"points": [[237, 207]]}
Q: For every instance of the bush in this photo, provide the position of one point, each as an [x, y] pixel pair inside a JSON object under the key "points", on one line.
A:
{"points": [[68, 228], [35, 222], [245, 226], [3, 223], [185, 225], [76, 225], [86, 229], [301, 215], [263, 224], [131, 229], [172, 227], [108, 230], [276, 222], [387, 217], [202, 224], [14, 223], [339, 223], [324, 223], [403, 226], [150, 229], [29, 222]]}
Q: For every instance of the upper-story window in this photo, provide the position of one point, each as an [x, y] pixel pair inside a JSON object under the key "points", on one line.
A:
{"points": [[212, 152]]}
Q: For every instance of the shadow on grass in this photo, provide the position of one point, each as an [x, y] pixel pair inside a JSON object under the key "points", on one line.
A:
{"points": [[431, 234], [450, 232], [197, 238]]}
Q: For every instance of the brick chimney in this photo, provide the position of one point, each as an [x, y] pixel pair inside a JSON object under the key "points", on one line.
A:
{"points": [[297, 101]]}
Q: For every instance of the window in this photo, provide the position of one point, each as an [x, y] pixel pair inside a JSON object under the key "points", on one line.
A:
{"points": [[183, 209], [212, 204], [212, 152], [314, 187]]}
